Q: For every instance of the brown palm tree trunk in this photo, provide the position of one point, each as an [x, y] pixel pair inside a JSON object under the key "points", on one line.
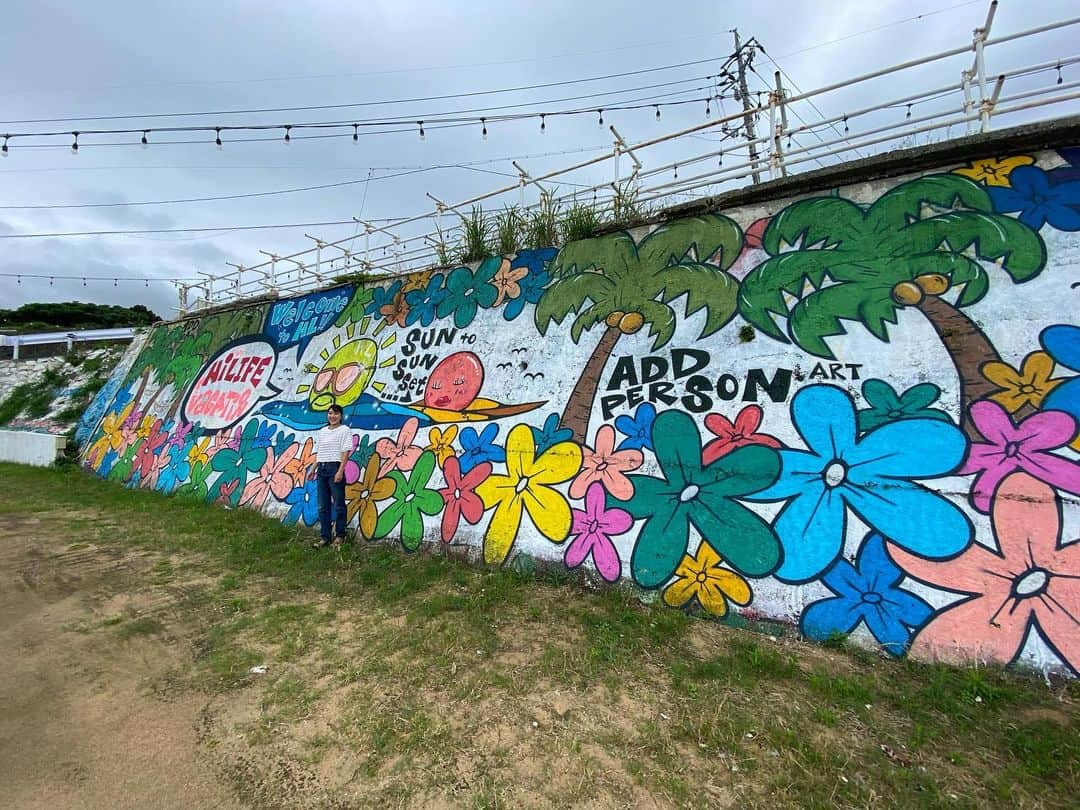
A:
{"points": [[969, 349], [579, 407]]}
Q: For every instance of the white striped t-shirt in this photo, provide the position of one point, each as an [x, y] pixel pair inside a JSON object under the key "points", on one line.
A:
{"points": [[332, 443]]}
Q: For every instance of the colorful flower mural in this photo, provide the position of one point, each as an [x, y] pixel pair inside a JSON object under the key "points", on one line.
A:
{"points": [[593, 406]]}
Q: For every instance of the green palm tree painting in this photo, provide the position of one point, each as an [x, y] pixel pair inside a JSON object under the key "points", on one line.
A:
{"points": [[627, 285], [917, 242]]}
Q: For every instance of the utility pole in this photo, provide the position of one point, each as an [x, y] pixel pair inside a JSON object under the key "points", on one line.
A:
{"points": [[748, 118]]}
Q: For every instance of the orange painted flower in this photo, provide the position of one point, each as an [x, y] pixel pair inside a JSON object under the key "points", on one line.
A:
{"points": [[302, 464], [1028, 386], [506, 282], [701, 577], [441, 443], [396, 311], [607, 466], [360, 497], [417, 281], [994, 171]]}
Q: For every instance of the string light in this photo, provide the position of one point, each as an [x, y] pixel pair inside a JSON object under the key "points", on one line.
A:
{"points": [[721, 156], [908, 111], [845, 124], [421, 125], [708, 109], [483, 132], [601, 114], [75, 143], [145, 142], [1059, 73], [50, 281], [287, 137], [355, 132], [657, 112], [676, 171], [217, 140], [543, 126], [4, 148]]}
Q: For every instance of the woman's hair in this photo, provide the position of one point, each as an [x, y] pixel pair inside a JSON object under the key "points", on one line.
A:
{"points": [[335, 409]]}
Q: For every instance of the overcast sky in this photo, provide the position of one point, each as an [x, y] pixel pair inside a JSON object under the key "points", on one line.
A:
{"points": [[117, 57]]}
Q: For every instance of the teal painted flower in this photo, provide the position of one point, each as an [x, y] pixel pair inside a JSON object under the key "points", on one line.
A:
{"points": [[466, 290], [235, 464], [702, 496], [412, 500], [888, 406]]}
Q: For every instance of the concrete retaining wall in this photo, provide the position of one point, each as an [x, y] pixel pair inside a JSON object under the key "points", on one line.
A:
{"points": [[850, 405], [24, 447]]}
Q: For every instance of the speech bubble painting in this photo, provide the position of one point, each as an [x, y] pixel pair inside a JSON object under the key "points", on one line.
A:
{"points": [[298, 320], [231, 384]]}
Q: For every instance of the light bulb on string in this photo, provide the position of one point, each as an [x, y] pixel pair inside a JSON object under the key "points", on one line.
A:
{"points": [[1059, 80], [421, 125], [542, 127], [75, 143], [483, 132], [4, 148], [676, 171], [84, 281], [146, 283], [18, 279], [657, 111], [114, 283], [845, 124], [288, 137], [144, 142], [908, 111], [355, 132], [601, 114], [50, 281], [217, 140], [721, 156], [708, 109]]}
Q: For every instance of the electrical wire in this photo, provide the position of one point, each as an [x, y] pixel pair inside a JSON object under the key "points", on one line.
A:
{"points": [[306, 108]]}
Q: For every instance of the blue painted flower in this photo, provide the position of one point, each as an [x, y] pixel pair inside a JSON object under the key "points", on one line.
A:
{"points": [[1062, 342], [383, 296], [639, 429], [282, 441], [303, 504], [871, 475], [867, 592], [264, 435], [423, 303], [466, 290], [122, 398], [536, 259], [532, 288], [1038, 200], [1064, 174], [177, 470], [550, 434], [107, 462], [888, 406], [479, 448]]}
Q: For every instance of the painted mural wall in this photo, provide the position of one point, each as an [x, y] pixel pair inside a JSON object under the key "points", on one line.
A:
{"points": [[855, 411]]}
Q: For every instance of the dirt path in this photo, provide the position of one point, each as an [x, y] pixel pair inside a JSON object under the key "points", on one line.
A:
{"points": [[80, 727]]}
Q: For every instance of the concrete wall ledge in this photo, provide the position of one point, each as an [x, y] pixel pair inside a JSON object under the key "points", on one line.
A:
{"points": [[26, 447]]}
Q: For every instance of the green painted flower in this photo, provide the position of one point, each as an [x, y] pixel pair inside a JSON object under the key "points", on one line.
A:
{"points": [[354, 310], [888, 406], [412, 500], [121, 470], [702, 496], [235, 464], [196, 486]]}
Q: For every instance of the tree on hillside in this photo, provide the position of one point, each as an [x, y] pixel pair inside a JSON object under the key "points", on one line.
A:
{"points": [[76, 315]]}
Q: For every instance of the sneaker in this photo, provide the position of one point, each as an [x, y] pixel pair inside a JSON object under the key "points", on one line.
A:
{"points": [[338, 541]]}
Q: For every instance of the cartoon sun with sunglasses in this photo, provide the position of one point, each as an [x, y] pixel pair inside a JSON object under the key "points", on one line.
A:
{"points": [[343, 376]]}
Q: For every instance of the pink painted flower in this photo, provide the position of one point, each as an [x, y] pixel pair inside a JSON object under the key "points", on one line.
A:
{"points": [[1010, 447], [147, 454], [460, 496], [1032, 579], [274, 477], [733, 436], [592, 530], [399, 454], [607, 466]]}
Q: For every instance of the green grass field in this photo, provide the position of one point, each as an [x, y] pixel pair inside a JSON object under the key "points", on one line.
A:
{"points": [[407, 679]]}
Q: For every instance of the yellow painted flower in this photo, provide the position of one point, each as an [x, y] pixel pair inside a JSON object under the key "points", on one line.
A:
{"points": [[112, 436], [199, 451], [417, 281], [528, 485], [1028, 386], [701, 576], [143, 430], [994, 171], [441, 443]]}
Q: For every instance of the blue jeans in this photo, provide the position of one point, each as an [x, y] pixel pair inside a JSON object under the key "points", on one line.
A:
{"points": [[331, 499]]}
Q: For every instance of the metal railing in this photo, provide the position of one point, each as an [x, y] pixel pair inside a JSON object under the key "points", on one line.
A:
{"points": [[67, 338], [970, 104]]}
